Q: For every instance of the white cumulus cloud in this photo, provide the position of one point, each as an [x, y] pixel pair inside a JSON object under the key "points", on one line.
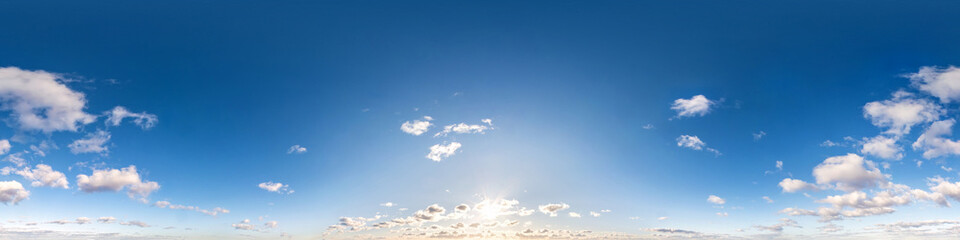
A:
{"points": [[94, 143], [275, 187], [695, 106], [142, 119], [116, 180], [417, 127], [943, 83], [39, 101], [440, 151], [12, 192]]}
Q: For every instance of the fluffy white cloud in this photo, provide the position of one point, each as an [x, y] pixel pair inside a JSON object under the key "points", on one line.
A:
{"points": [[115, 180], [417, 127], [594, 214], [44, 175], [94, 143], [695, 106], [900, 114], [553, 208], [716, 200], [882, 147], [388, 204], [275, 187], [933, 142], [765, 198], [12, 192], [784, 222], [4, 146], [943, 83], [694, 142], [759, 135], [296, 149], [793, 185], [848, 172], [574, 215], [143, 119], [39, 101], [463, 128], [440, 151]]}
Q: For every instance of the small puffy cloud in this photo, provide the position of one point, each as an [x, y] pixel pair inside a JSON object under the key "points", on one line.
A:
{"points": [[900, 114], [12, 192], [106, 219], [793, 185], [933, 142], [784, 222], [848, 172], [275, 187], [765, 198], [594, 214], [296, 149], [722, 214], [44, 175], [882, 147], [553, 208], [417, 127], [244, 225], [574, 215], [116, 180], [662, 218], [135, 223], [270, 224], [83, 220], [943, 83], [143, 119], [388, 204], [694, 142], [780, 165], [716, 200], [39, 101], [4, 146], [94, 143], [695, 106], [440, 151], [463, 128]]}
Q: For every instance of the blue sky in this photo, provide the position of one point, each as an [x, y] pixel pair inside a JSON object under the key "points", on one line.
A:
{"points": [[325, 119]]}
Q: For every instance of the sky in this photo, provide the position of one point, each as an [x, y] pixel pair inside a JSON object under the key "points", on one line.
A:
{"points": [[479, 119]]}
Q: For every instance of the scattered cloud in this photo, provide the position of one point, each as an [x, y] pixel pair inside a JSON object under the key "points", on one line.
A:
{"points": [[42, 176], [901, 113], [716, 200], [694, 142], [848, 172], [882, 147], [463, 128], [794, 185], [943, 83], [94, 143], [212, 212], [695, 106], [116, 180], [553, 208], [12, 192], [296, 149], [275, 187], [440, 151], [38, 100], [933, 142], [142, 119], [759, 135], [417, 127]]}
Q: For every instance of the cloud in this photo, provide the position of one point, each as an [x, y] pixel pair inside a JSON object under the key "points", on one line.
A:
{"points": [[662, 218], [440, 151], [135, 223], [388, 204], [244, 225], [143, 119], [115, 180], [672, 231], [83, 220], [552, 208], [94, 143], [779, 165], [296, 149], [849, 172], [793, 185], [901, 226], [106, 219], [4, 146], [44, 175], [275, 187], [417, 127], [12, 192], [759, 135], [784, 222], [943, 83], [716, 200], [594, 214], [900, 114], [212, 212], [882, 147], [695, 106], [933, 143], [574, 215], [765, 198], [39, 101], [463, 128], [694, 142]]}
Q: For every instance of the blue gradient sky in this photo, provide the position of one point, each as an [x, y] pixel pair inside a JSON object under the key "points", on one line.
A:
{"points": [[569, 86]]}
